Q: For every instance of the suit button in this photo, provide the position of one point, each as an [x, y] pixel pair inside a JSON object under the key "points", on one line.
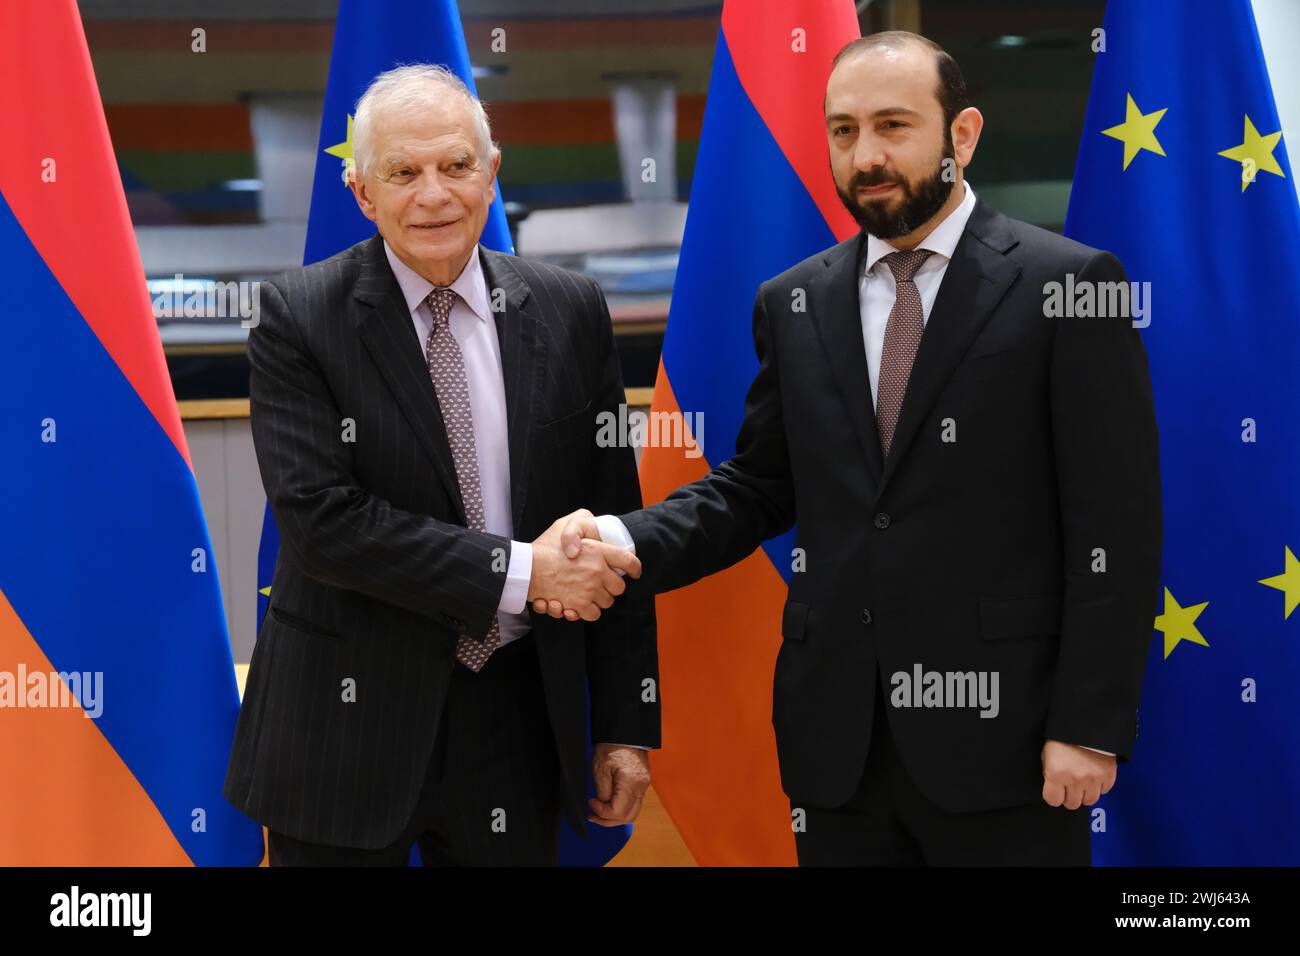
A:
{"points": [[882, 521], [866, 616]]}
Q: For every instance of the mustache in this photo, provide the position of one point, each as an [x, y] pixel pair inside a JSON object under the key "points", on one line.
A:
{"points": [[880, 177]]}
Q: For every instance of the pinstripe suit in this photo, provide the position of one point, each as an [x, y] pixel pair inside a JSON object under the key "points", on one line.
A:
{"points": [[377, 570]]}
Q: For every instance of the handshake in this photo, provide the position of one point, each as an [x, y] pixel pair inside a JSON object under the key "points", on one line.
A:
{"points": [[575, 574]]}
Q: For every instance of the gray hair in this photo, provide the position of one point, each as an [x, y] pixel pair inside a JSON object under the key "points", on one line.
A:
{"points": [[406, 87]]}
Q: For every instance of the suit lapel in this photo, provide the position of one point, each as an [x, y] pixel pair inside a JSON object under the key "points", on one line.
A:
{"points": [[833, 300], [523, 358], [975, 281], [389, 335]]}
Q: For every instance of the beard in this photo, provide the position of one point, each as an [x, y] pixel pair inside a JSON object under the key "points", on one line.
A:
{"points": [[919, 203]]}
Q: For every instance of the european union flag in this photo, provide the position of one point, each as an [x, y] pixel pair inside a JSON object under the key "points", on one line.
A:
{"points": [[370, 37], [1182, 173]]}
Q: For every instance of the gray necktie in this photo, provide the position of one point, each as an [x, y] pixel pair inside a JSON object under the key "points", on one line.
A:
{"points": [[447, 369], [902, 339]]}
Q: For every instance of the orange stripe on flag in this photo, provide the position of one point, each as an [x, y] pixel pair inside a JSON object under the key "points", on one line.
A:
{"points": [[68, 799], [717, 773]]}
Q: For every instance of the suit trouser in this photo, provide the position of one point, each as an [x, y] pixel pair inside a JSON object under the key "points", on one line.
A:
{"points": [[492, 794], [889, 822]]}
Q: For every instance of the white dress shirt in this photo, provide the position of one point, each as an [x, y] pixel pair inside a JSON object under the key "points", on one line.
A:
{"points": [[876, 294], [876, 290], [475, 331]]}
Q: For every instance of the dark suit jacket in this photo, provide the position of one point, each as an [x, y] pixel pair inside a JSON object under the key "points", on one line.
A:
{"points": [[972, 554], [377, 570]]}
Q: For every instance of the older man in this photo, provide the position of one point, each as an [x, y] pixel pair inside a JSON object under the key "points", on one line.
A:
{"points": [[421, 408]]}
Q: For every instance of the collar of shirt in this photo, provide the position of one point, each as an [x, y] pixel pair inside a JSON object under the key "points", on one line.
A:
{"points": [[470, 285], [942, 240]]}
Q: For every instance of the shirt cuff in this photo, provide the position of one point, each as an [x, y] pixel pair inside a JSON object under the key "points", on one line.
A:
{"points": [[636, 746], [1095, 750], [514, 596], [612, 531]]}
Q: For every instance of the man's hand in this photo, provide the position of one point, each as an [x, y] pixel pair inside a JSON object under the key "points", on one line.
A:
{"points": [[573, 529], [622, 775], [1074, 775], [580, 576]]}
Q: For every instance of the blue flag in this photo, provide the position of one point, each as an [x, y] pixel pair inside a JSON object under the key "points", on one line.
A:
{"points": [[371, 37], [1182, 174]]}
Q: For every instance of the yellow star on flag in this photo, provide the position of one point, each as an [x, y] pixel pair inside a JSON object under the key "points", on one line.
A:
{"points": [[343, 151], [266, 590], [1137, 132], [1255, 153], [1179, 624], [1288, 582]]}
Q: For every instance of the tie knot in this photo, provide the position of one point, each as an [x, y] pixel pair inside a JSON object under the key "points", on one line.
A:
{"points": [[440, 302], [904, 264]]}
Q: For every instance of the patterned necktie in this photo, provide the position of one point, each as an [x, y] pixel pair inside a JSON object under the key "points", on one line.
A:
{"points": [[447, 369], [902, 339]]}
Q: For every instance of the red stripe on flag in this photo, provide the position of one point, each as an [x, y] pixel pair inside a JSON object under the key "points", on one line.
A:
{"points": [[59, 176], [782, 52]]}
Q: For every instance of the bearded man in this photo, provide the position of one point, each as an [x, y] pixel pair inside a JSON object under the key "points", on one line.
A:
{"points": [[976, 487]]}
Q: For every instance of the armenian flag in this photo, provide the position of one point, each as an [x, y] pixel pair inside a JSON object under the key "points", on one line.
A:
{"points": [[117, 690], [762, 199]]}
